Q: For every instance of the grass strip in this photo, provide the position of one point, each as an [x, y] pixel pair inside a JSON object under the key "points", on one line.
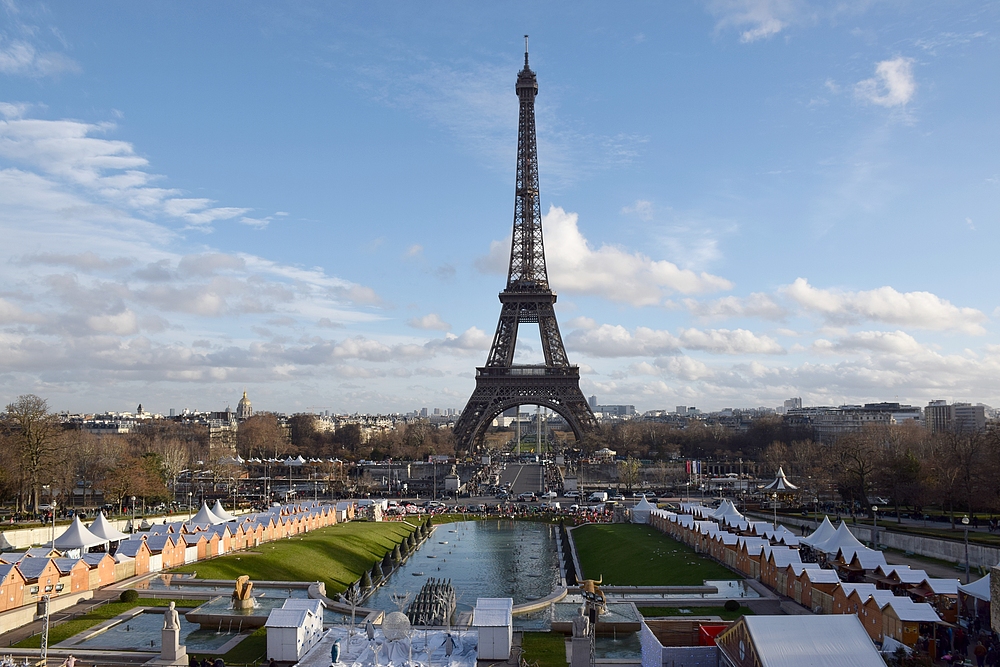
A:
{"points": [[337, 555], [721, 612], [63, 631], [544, 649], [637, 555]]}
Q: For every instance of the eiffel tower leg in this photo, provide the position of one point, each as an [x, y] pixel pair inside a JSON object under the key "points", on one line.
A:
{"points": [[500, 389], [552, 343]]}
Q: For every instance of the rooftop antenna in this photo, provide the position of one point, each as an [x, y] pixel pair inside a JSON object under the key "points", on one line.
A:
{"points": [[526, 52]]}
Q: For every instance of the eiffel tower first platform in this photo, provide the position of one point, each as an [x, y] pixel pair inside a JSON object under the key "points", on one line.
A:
{"points": [[527, 299]]}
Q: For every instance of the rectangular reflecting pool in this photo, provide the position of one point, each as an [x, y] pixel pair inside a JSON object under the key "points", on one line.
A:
{"points": [[142, 633]]}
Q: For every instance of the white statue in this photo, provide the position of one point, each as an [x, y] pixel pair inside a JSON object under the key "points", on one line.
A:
{"points": [[171, 621], [581, 624]]}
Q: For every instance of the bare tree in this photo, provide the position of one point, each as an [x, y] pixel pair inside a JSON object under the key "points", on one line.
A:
{"points": [[36, 433]]}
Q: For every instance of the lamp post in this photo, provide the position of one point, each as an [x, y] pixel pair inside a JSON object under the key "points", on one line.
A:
{"points": [[53, 503], [189, 506], [774, 508], [816, 510], [965, 524], [133, 514], [874, 526]]}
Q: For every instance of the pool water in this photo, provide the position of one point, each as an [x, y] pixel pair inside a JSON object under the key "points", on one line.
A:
{"points": [[515, 559], [142, 633], [223, 606], [618, 647], [727, 588]]}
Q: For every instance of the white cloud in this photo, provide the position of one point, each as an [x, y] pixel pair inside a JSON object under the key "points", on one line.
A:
{"points": [[431, 321], [641, 208], [21, 58], [611, 341], [610, 272], [758, 305], [70, 152], [414, 250], [756, 19], [922, 310], [725, 341], [893, 84], [120, 324], [888, 342], [472, 339]]}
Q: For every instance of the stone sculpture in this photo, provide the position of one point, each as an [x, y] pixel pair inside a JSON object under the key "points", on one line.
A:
{"points": [[241, 594]]}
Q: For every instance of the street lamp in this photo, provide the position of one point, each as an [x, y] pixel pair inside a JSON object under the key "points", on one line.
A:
{"points": [[53, 503], [874, 526], [133, 514], [816, 510], [965, 524], [774, 508], [189, 506]]}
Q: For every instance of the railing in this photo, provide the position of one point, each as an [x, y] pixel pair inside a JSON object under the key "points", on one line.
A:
{"points": [[521, 371]]}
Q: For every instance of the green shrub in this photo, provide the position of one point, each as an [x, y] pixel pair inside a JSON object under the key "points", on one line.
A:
{"points": [[130, 595], [731, 605]]}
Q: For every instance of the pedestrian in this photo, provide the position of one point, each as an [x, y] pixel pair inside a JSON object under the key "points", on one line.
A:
{"points": [[980, 653], [272, 663], [205, 663], [991, 656]]}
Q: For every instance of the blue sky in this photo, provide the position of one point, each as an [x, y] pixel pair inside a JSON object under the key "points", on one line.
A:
{"points": [[746, 200]]}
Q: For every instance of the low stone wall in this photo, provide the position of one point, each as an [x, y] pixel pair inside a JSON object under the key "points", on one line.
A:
{"points": [[15, 618]]}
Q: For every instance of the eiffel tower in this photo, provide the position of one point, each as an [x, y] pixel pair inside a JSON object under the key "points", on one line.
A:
{"points": [[501, 384]]}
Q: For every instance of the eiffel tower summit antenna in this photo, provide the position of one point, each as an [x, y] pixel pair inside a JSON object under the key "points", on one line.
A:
{"points": [[527, 299]]}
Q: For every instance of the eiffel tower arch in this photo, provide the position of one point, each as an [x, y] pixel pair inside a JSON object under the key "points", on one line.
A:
{"points": [[527, 299]]}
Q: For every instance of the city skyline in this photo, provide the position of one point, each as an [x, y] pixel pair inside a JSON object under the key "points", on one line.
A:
{"points": [[744, 201]]}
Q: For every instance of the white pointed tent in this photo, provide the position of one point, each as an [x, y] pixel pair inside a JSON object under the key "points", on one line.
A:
{"points": [[77, 538], [821, 534], [842, 539], [640, 513], [979, 589], [219, 511], [103, 529], [781, 483], [205, 516]]}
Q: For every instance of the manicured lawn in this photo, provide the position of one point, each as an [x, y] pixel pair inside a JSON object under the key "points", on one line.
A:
{"points": [[546, 649], [64, 631], [337, 555], [634, 555], [721, 612]]}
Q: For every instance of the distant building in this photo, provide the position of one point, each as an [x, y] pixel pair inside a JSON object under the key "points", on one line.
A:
{"points": [[793, 404], [244, 410], [830, 423], [957, 418]]}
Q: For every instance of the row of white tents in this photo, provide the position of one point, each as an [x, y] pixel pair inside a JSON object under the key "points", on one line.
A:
{"points": [[78, 538]]}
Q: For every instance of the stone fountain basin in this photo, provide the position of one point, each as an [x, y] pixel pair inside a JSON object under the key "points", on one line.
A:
{"points": [[219, 612]]}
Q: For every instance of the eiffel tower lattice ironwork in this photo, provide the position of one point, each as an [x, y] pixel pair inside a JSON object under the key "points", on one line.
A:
{"points": [[527, 299]]}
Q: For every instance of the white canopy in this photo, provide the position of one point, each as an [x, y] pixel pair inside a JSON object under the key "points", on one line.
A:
{"points": [[842, 538], [640, 513], [205, 515], [979, 589], [297, 461], [781, 483], [77, 537], [821, 534], [219, 511], [828, 640], [103, 529]]}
